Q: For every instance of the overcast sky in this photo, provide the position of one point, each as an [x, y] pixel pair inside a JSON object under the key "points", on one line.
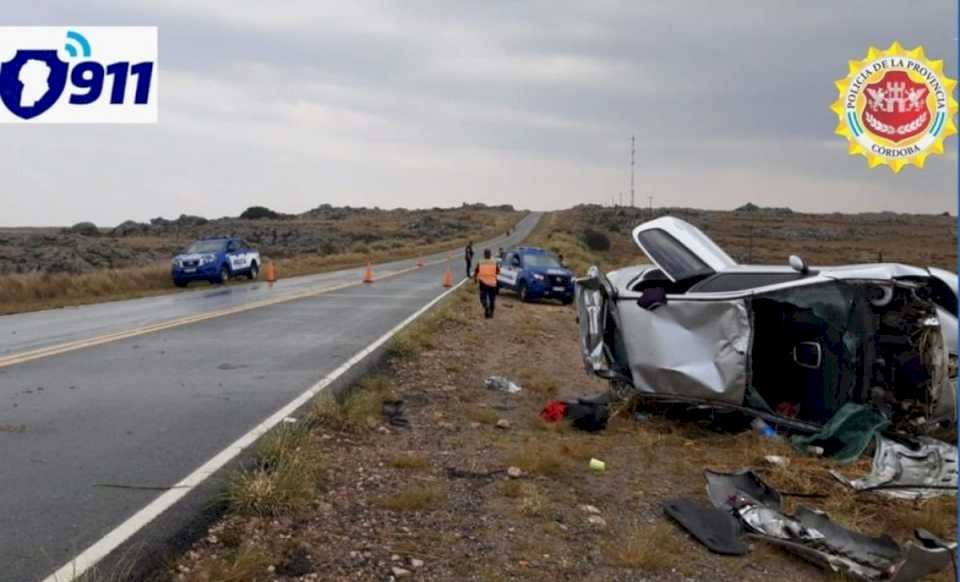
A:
{"points": [[433, 103]]}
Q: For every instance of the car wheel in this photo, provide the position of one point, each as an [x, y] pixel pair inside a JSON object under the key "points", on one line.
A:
{"points": [[567, 300], [254, 272], [224, 275], [180, 283], [524, 294]]}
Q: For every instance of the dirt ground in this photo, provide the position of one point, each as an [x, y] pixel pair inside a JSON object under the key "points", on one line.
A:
{"points": [[435, 502]]}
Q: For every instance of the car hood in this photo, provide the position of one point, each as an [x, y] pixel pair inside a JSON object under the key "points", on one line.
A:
{"points": [[550, 271], [192, 256]]}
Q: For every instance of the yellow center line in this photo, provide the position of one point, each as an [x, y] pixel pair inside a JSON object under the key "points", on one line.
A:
{"points": [[58, 349]]}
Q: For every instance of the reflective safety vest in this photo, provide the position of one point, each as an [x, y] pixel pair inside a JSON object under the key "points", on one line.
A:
{"points": [[487, 272]]}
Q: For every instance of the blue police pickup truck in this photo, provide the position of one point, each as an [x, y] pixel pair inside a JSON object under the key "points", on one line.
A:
{"points": [[535, 274], [215, 260]]}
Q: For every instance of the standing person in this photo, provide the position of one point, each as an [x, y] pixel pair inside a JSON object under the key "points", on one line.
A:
{"points": [[468, 256], [486, 276]]}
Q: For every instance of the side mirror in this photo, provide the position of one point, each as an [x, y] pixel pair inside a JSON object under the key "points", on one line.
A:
{"points": [[798, 264], [515, 262]]}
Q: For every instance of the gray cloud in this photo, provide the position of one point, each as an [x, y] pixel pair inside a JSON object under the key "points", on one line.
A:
{"points": [[428, 103]]}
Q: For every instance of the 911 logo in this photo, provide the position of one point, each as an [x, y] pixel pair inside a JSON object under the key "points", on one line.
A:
{"points": [[74, 75]]}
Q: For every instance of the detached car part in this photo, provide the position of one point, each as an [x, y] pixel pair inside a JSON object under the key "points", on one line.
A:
{"points": [[926, 469], [812, 535]]}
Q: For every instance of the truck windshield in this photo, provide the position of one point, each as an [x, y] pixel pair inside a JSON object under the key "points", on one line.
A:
{"points": [[206, 246], [541, 261]]}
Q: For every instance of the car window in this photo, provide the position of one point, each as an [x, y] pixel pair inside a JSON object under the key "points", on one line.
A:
{"points": [[537, 260], [741, 281], [232, 246], [205, 246], [676, 260]]}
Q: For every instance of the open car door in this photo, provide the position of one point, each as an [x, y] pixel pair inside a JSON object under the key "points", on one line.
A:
{"points": [[680, 250]]}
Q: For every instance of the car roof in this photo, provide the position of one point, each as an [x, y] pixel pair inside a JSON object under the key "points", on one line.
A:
{"points": [[531, 250]]}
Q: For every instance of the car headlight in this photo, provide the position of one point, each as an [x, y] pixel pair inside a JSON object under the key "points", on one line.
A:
{"points": [[204, 259], [538, 276], [175, 262]]}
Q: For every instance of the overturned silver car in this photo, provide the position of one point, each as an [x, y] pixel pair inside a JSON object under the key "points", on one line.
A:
{"points": [[793, 343]]}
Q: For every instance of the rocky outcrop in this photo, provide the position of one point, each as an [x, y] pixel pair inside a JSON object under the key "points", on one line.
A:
{"points": [[319, 231], [84, 229]]}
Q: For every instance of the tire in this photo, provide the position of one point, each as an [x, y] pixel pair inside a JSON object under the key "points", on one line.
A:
{"points": [[254, 271], [567, 300], [180, 284], [524, 294], [224, 275]]}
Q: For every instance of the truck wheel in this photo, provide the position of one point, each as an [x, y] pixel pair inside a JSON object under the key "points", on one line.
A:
{"points": [[524, 294], [224, 275], [254, 272]]}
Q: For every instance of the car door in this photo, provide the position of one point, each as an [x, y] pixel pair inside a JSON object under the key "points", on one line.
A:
{"points": [[509, 270], [694, 347], [236, 256]]}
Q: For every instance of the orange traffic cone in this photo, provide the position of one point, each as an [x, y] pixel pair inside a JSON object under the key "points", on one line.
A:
{"points": [[271, 273], [448, 275], [368, 275]]}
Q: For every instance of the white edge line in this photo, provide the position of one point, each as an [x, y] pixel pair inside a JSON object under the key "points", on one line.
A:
{"points": [[100, 549]]}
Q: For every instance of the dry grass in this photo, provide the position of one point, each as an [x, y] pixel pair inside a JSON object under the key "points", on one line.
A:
{"points": [[485, 416], [408, 461], [414, 498], [361, 410], [650, 547], [551, 457], [32, 291], [288, 470], [248, 563]]}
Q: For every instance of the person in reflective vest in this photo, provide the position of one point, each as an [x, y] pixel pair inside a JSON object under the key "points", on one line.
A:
{"points": [[486, 277]]}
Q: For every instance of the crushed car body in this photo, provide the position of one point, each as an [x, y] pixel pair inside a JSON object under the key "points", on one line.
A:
{"points": [[790, 342]]}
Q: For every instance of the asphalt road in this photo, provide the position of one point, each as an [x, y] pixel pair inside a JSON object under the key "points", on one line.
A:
{"points": [[147, 410]]}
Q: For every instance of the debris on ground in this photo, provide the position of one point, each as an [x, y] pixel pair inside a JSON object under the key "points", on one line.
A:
{"points": [[714, 528], [501, 384], [587, 414], [810, 533], [393, 411], [847, 434], [777, 460], [926, 469]]}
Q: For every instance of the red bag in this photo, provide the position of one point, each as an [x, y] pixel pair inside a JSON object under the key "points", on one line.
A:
{"points": [[554, 411]]}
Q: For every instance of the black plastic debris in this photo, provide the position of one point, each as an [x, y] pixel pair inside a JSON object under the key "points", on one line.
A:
{"points": [[812, 535], [393, 412], [588, 415], [723, 489], [716, 529]]}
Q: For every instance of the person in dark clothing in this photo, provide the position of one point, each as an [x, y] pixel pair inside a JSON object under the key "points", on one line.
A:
{"points": [[468, 256], [486, 276]]}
